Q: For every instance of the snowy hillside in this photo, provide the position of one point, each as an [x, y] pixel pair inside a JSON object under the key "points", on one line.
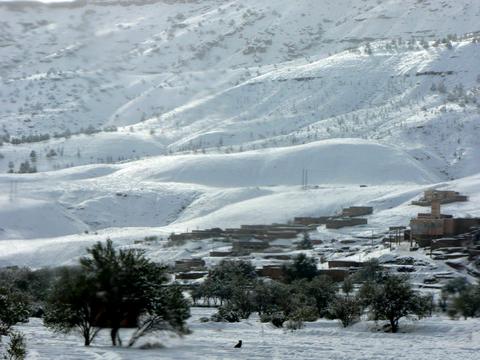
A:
{"points": [[62, 212], [146, 117], [231, 76]]}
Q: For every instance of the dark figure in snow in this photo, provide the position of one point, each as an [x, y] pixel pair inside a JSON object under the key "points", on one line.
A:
{"points": [[239, 344]]}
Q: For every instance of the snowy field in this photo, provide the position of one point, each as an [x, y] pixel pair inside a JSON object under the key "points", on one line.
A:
{"points": [[433, 338]]}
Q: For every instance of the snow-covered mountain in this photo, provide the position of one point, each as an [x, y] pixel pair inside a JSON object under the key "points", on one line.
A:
{"points": [[182, 114]]}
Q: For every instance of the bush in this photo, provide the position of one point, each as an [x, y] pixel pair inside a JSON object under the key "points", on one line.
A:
{"points": [[461, 298], [346, 309], [307, 313], [322, 290], [226, 314], [294, 325], [17, 347], [277, 319], [242, 301], [14, 308], [467, 303], [271, 297]]}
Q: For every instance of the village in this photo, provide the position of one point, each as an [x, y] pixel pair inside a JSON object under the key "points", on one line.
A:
{"points": [[452, 241]]}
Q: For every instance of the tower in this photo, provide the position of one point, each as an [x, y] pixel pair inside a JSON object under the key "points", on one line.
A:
{"points": [[436, 206]]}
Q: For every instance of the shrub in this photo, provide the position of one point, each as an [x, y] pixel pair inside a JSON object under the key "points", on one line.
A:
{"points": [[467, 303], [242, 301], [306, 313], [294, 325], [225, 314], [17, 347], [346, 309], [14, 308], [277, 319], [271, 297], [322, 290], [461, 298]]}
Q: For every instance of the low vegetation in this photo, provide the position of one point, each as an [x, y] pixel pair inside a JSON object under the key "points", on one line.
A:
{"points": [[304, 295], [114, 289]]}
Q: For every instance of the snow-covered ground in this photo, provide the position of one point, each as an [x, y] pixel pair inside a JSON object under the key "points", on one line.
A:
{"points": [[150, 117], [427, 339]]}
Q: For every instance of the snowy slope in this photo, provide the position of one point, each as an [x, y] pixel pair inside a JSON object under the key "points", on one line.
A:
{"points": [[231, 76], [169, 115], [130, 201], [153, 192]]}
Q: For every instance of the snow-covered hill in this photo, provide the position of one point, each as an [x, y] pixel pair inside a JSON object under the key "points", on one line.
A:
{"points": [[151, 116], [49, 218], [192, 76]]}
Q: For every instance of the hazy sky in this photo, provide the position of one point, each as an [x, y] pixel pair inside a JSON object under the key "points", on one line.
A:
{"points": [[44, 1]]}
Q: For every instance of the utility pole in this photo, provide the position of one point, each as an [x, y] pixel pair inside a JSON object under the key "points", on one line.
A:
{"points": [[304, 179], [13, 190]]}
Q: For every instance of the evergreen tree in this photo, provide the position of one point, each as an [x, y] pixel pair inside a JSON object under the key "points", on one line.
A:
{"points": [[302, 267], [33, 156], [305, 243]]}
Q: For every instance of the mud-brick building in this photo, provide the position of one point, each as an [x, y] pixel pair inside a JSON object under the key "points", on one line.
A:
{"points": [[353, 211], [274, 272], [309, 220], [428, 226], [244, 247], [189, 264], [444, 197], [337, 223]]}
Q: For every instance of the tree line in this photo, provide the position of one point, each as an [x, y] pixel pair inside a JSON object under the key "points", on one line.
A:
{"points": [[304, 295]]}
